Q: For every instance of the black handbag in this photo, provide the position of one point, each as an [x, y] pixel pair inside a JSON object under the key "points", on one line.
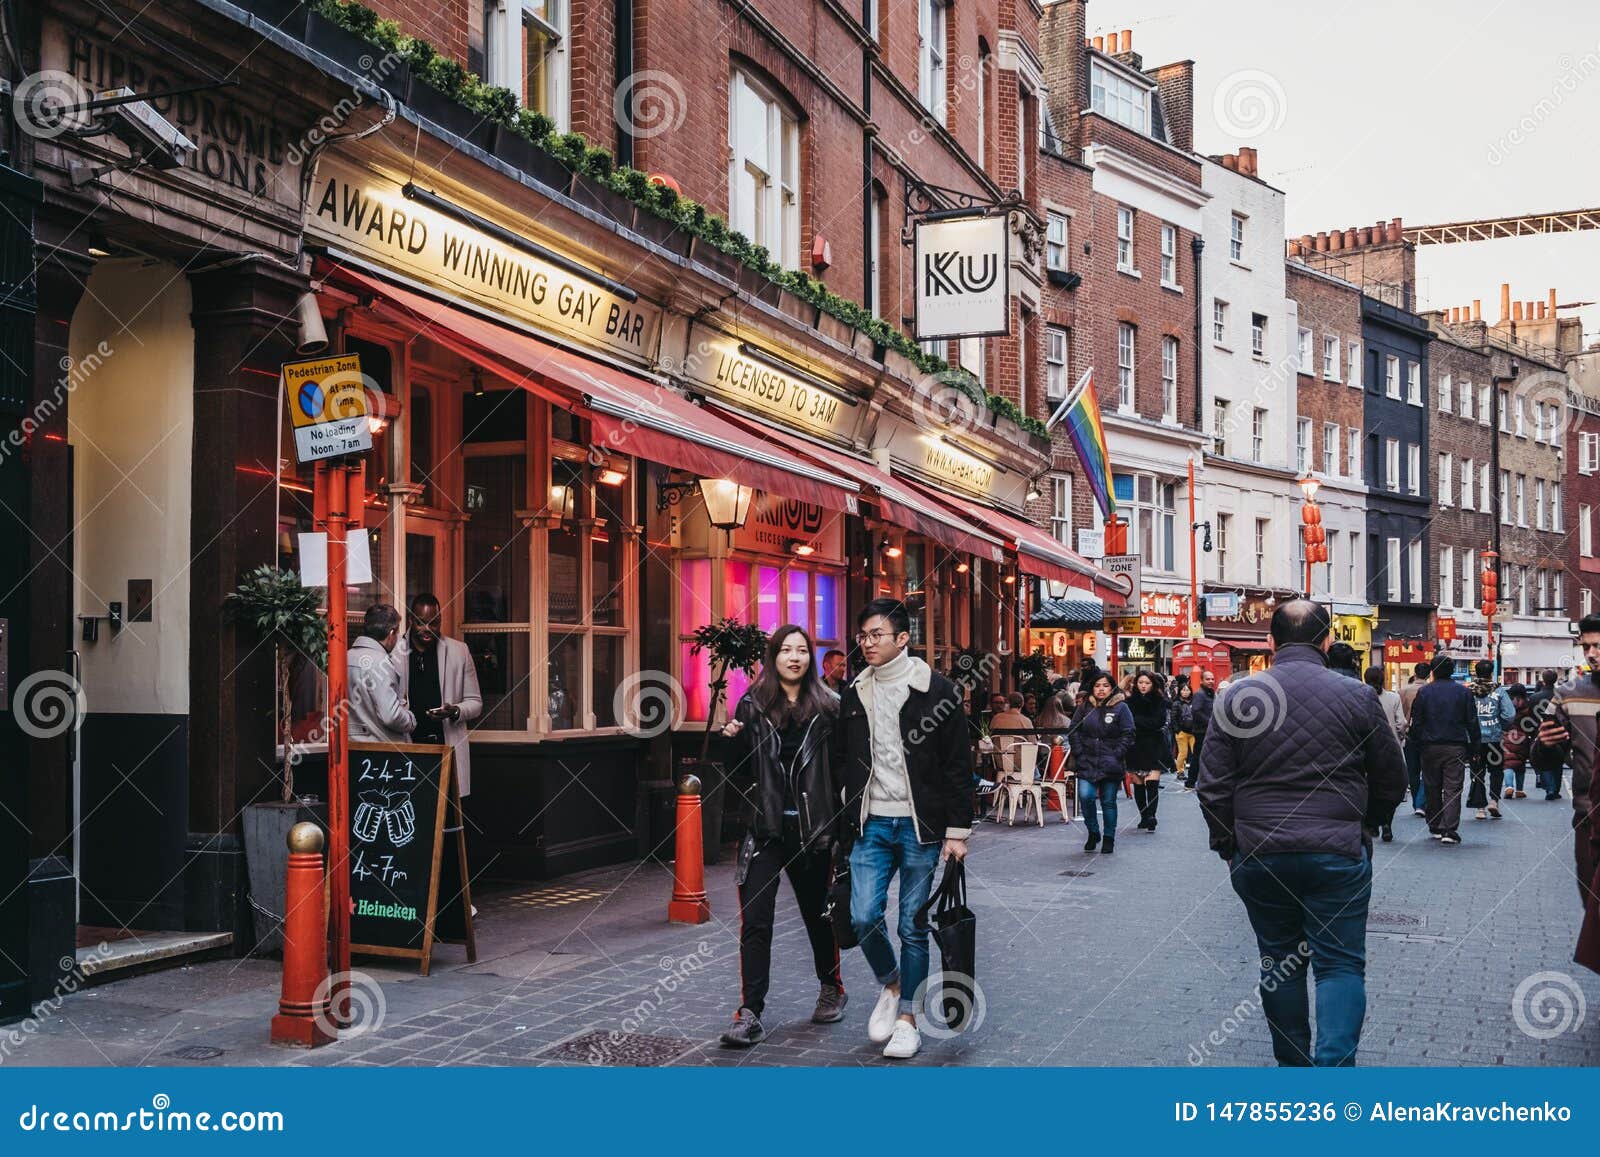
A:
{"points": [[838, 907], [956, 1000]]}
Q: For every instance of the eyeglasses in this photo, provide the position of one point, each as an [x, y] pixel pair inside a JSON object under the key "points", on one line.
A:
{"points": [[873, 637]]}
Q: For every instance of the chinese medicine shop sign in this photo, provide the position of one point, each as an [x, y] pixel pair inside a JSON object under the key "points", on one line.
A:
{"points": [[327, 407], [963, 274]]}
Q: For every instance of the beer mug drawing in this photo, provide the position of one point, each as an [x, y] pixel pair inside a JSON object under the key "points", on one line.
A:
{"points": [[400, 820], [368, 817]]}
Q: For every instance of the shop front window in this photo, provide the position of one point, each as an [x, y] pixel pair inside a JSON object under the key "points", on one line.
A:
{"points": [[763, 592]]}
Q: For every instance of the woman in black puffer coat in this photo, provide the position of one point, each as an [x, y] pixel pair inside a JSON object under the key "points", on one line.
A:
{"points": [[1102, 736], [1152, 753]]}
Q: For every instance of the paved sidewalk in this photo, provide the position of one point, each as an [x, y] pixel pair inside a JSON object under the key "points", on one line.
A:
{"points": [[1141, 958]]}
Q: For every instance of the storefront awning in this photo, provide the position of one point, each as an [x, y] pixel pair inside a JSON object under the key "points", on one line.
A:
{"points": [[898, 501], [1068, 613], [1041, 555], [629, 414]]}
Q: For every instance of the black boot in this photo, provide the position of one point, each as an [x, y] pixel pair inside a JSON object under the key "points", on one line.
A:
{"points": [[1092, 842], [1153, 794], [1106, 848], [1142, 802]]}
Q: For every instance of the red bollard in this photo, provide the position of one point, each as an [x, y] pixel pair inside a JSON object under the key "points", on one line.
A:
{"points": [[303, 1018], [689, 902]]}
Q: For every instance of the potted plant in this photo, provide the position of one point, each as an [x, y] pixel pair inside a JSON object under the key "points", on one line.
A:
{"points": [[732, 646], [288, 617]]}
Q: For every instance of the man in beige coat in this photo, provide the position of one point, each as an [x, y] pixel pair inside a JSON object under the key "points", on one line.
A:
{"points": [[439, 680], [377, 697]]}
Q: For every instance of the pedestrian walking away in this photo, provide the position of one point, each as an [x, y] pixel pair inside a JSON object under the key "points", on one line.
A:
{"points": [[781, 737], [1102, 738], [1301, 766], [1395, 713], [1199, 721], [1444, 724], [902, 754], [1495, 711], [1151, 753], [1408, 696]]}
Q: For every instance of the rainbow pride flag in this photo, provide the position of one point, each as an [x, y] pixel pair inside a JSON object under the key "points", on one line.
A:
{"points": [[1081, 414]]}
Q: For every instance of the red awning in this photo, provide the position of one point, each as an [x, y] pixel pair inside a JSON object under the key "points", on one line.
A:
{"points": [[629, 414], [1041, 555], [899, 501]]}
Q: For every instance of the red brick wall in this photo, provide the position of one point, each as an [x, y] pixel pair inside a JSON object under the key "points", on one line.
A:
{"points": [[1461, 438], [1327, 308], [444, 23]]}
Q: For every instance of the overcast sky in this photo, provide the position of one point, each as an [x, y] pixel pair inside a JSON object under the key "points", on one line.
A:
{"points": [[1420, 109]]}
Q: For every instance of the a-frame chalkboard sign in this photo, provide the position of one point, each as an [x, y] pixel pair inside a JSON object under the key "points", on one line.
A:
{"points": [[401, 795]]}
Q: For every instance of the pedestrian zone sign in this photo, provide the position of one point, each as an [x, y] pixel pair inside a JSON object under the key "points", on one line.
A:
{"points": [[327, 406]]}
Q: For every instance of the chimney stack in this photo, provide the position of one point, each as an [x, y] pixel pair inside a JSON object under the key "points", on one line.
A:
{"points": [[1099, 43], [1552, 303], [1516, 311], [1127, 40], [1395, 232], [1322, 242], [1505, 301], [1230, 162], [1541, 310], [1477, 309]]}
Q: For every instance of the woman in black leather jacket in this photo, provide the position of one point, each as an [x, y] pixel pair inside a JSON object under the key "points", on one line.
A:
{"points": [[780, 732]]}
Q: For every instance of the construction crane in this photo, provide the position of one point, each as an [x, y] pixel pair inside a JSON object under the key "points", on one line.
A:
{"points": [[1493, 228]]}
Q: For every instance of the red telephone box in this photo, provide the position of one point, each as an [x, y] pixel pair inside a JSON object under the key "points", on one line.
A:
{"points": [[1195, 656]]}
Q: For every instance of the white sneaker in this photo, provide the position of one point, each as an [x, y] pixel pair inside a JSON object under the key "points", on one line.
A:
{"points": [[1419, 813], [1482, 814], [905, 1043], [880, 1025]]}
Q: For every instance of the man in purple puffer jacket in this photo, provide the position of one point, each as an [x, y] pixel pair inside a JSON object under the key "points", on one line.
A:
{"points": [[1299, 769]]}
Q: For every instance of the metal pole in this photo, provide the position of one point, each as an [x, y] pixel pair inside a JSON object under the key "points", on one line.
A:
{"points": [[1194, 583], [333, 487]]}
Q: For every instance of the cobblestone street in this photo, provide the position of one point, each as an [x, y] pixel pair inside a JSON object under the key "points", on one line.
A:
{"points": [[1134, 959]]}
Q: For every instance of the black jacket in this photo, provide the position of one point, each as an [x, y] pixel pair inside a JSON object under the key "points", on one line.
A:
{"points": [[1203, 704], [933, 732], [1151, 749], [1444, 711], [754, 752], [1102, 737], [1299, 759]]}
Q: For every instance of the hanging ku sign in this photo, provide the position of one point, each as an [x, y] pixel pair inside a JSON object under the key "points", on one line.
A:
{"points": [[963, 277]]}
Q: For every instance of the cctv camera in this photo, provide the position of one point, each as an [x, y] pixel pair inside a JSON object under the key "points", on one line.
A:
{"points": [[146, 132]]}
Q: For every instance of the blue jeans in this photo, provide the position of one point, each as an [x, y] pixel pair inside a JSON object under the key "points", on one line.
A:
{"points": [[1310, 908], [889, 844], [1105, 794], [1419, 795]]}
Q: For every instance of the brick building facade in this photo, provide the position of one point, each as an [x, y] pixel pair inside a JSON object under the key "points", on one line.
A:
{"points": [[1329, 397], [1123, 134], [1462, 478]]}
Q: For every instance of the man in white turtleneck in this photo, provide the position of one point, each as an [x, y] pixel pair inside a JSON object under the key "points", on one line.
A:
{"points": [[903, 754]]}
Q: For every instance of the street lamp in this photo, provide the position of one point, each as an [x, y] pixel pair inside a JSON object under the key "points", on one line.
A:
{"points": [[727, 502]]}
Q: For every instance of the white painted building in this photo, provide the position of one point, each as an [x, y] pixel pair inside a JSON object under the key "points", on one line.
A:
{"points": [[1249, 357]]}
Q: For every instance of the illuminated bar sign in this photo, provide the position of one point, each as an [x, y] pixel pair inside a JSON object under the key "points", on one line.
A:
{"points": [[364, 214], [716, 363]]}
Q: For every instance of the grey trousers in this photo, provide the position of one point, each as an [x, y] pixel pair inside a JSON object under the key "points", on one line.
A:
{"points": [[1444, 771]]}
